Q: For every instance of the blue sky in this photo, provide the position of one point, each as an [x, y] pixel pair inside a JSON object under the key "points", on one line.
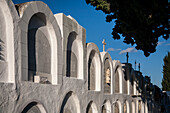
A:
{"points": [[98, 29]]}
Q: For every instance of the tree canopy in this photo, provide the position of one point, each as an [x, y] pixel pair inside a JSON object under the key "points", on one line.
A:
{"points": [[166, 73], [139, 22]]}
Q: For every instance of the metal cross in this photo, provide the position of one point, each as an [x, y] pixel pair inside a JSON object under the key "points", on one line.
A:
{"points": [[127, 55]]}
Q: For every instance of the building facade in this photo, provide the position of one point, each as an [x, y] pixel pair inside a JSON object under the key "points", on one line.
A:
{"points": [[46, 66]]}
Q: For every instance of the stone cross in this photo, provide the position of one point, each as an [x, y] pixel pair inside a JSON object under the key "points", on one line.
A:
{"points": [[104, 44], [127, 55]]}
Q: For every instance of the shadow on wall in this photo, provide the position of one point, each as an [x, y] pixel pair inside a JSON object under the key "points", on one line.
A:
{"points": [[91, 72], [71, 61], [2, 49], [31, 108]]}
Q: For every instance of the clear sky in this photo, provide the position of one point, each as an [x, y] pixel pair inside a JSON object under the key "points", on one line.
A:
{"points": [[98, 29]]}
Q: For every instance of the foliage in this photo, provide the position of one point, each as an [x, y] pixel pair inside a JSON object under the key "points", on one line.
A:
{"points": [[166, 73], [140, 22]]}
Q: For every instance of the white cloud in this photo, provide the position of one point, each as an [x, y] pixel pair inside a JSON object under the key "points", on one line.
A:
{"points": [[112, 49], [160, 43], [132, 49], [168, 44]]}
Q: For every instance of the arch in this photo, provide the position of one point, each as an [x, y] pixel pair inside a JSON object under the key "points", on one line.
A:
{"points": [[74, 57], [126, 77], [34, 107], [107, 63], [140, 106], [143, 107], [91, 108], [117, 107], [39, 49], [26, 12], [106, 107], [126, 107], [70, 103], [146, 107], [133, 82], [133, 107], [7, 29], [94, 66], [118, 76]]}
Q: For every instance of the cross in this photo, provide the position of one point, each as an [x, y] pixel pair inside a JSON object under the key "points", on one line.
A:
{"points": [[139, 66], [127, 55], [104, 44]]}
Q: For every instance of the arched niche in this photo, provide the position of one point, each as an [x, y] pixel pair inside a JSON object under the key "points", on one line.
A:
{"points": [[146, 107], [94, 67], [108, 72], [126, 107], [125, 81], [34, 107], [106, 107], [70, 104], [107, 76], [91, 108], [132, 107], [117, 107], [118, 76], [74, 57], [133, 83], [139, 106], [7, 29], [39, 49], [40, 34]]}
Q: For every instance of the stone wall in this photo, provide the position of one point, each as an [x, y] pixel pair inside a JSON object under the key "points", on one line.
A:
{"points": [[46, 66]]}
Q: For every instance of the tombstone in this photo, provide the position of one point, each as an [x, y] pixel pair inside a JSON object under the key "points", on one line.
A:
{"points": [[124, 108], [139, 107], [91, 72], [117, 90], [116, 108], [107, 76], [72, 59], [89, 108], [104, 109]]}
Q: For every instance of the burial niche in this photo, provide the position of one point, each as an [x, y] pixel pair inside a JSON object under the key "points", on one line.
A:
{"points": [[133, 107], [139, 106], [117, 87], [39, 50], [70, 104], [89, 108], [125, 83], [104, 109], [72, 55], [116, 108], [124, 108], [91, 71], [107, 76], [34, 107]]}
